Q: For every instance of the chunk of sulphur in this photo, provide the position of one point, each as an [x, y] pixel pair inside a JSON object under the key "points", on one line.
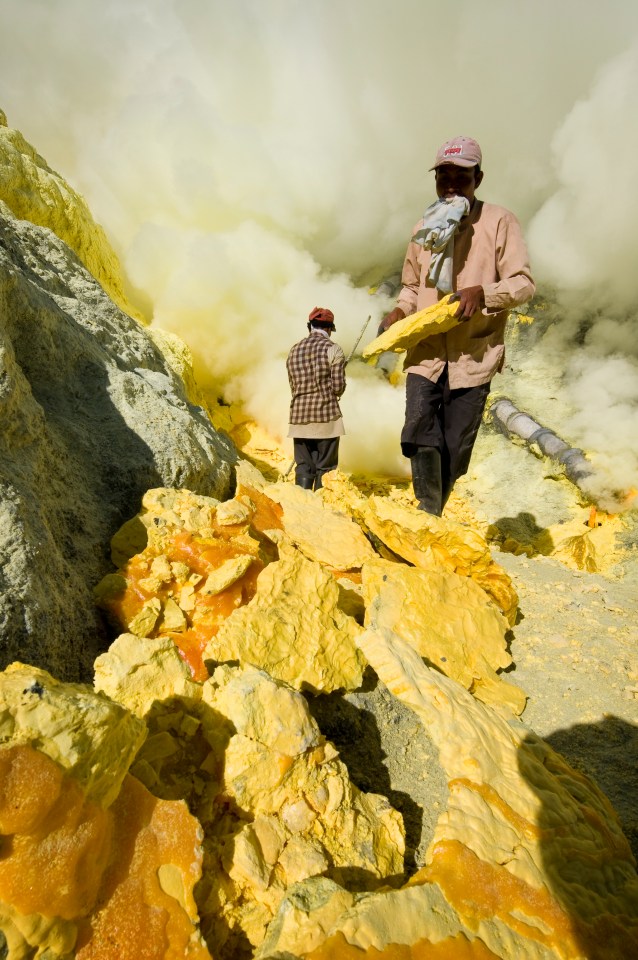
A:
{"points": [[293, 628], [115, 884], [449, 620], [406, 333], [434, 543]]}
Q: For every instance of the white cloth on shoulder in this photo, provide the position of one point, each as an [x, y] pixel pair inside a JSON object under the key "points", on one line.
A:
{"points": [[436, 233]]}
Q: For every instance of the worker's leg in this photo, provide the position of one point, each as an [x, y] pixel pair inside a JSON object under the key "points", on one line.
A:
{"points": [[327, 458], [305, 465], [422, 439], [462, 414], [426, 480]]}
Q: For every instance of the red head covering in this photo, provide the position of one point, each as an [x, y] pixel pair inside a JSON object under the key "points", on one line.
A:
{"points": [[321, 315]]}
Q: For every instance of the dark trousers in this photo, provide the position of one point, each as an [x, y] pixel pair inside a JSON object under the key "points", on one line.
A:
{"points": [[313, 458], [445, 419]]}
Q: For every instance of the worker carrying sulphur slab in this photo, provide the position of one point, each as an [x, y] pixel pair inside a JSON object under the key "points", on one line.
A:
{"points": [[476, 252], [316, 372]]}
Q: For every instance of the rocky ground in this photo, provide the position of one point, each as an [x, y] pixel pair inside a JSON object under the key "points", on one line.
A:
{"points": [[575, 645], [574, 648]]}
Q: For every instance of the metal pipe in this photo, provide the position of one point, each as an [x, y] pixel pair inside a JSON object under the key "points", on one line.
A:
{"points": [[512, 421]]}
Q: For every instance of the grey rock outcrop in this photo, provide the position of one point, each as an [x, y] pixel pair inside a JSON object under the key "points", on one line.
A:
{"points": [[91, 416]]}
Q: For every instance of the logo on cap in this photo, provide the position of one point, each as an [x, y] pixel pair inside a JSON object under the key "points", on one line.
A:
{"points": [[463, 151]]}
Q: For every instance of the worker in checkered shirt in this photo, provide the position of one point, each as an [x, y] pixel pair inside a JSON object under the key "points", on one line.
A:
{"points": [[317, 375]]}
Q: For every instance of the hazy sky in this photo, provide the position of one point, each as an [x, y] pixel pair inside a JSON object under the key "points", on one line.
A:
{"points": [[255, 158]]}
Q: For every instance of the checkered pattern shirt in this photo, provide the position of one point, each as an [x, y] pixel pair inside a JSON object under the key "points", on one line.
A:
{"points": [[316, 383]]}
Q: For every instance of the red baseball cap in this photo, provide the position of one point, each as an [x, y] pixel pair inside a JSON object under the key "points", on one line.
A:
{"points": [[461, 151], [322, 315]]}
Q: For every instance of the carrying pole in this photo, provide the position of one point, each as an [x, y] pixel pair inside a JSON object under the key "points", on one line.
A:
{"points": [[358, 340], [348, 359]]}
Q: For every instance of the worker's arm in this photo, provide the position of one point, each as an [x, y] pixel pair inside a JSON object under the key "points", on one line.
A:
{"points": [[337, 361], [515, 284], [290, 379]]}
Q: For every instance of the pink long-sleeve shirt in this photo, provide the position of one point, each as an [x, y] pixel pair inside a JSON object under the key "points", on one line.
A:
{"points": [[489, 250]]}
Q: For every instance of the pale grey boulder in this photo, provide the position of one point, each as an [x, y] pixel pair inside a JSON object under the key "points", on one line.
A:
{"points": [[91, 416]]}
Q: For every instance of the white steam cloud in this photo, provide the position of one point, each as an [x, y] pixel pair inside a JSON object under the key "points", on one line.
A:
{"points": [[253, 160], [583, 242]]}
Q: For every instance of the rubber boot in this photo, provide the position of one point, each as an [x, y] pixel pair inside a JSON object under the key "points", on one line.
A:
{"points": [[426, 480], [305, 482]]}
